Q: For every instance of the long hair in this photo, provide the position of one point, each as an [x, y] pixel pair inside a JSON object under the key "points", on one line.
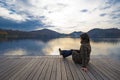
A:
{"points": [[85, 38]]}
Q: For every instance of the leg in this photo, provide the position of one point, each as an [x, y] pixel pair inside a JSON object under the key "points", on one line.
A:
{"points": [[65, 53], [76, 57], [60, 51], [78, 51]]}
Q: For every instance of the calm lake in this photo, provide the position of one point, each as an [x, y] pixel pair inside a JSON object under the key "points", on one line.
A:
{"points": [[100, 47]]}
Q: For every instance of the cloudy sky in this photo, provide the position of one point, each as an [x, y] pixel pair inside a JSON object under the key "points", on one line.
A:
{"points": [[64, 16]]}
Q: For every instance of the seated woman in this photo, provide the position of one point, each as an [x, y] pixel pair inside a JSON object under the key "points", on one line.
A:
{"points": [[81, 56]]}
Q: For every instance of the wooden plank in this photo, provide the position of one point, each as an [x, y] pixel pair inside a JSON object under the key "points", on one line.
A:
{"points": [[10, 64], [78, 71], [49, 71], [63, 73], [3, 60], [111, 65], [96, 72], [58, 75], [83, 74], [54, 69], [72, 69], [104, 71], [39, 71], [105, 65], [86, 76], [29, 69], [7, 61], [33, 73], [68, 71], [4, 70], [43, 73], [91, 75], [111, 71], [22, 72], [12, 71], [112, 60]]}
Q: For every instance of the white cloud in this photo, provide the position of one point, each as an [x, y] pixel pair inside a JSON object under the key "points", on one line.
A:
{"points": [[8, 15], [66, 15]]}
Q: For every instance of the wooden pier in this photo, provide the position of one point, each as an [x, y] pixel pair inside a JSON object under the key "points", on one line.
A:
{"points": [[57, 68]]}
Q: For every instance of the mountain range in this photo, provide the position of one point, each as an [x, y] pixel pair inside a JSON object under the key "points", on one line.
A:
{"points": [[46, 33], [99, 33]]}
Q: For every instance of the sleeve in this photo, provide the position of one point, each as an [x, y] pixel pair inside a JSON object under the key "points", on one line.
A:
{"points": [[84, 56]]}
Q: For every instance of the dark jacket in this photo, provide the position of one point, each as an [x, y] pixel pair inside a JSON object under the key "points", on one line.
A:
{"points": [[83, 55]]}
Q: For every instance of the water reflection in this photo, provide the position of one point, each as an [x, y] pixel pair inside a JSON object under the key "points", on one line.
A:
{"points": [[23, 47], [15, 52], [108, 40], [109, 47]]}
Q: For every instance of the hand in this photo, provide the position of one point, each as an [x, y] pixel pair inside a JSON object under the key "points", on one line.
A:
{"points": [[84, 69]]}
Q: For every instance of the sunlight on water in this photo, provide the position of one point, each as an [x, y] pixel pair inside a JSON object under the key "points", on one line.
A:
{"points": [[63, 43]]}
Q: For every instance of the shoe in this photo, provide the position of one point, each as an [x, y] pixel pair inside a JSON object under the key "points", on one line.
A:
{"points": [[60, 51]]}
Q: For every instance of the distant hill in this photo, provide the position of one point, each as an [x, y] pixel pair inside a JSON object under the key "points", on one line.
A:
{"points": [[99, 33], [104, 33], [46, 33], [75, 34]]}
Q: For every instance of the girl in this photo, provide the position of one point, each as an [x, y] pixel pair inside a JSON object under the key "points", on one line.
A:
{"points": [[81, 56]]}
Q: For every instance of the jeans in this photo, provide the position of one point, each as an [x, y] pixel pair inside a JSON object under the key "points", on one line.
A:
{"points": [[66, 53]]}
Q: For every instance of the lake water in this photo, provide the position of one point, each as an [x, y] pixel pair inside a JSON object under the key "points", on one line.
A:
{"points": [[100, 47]]}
